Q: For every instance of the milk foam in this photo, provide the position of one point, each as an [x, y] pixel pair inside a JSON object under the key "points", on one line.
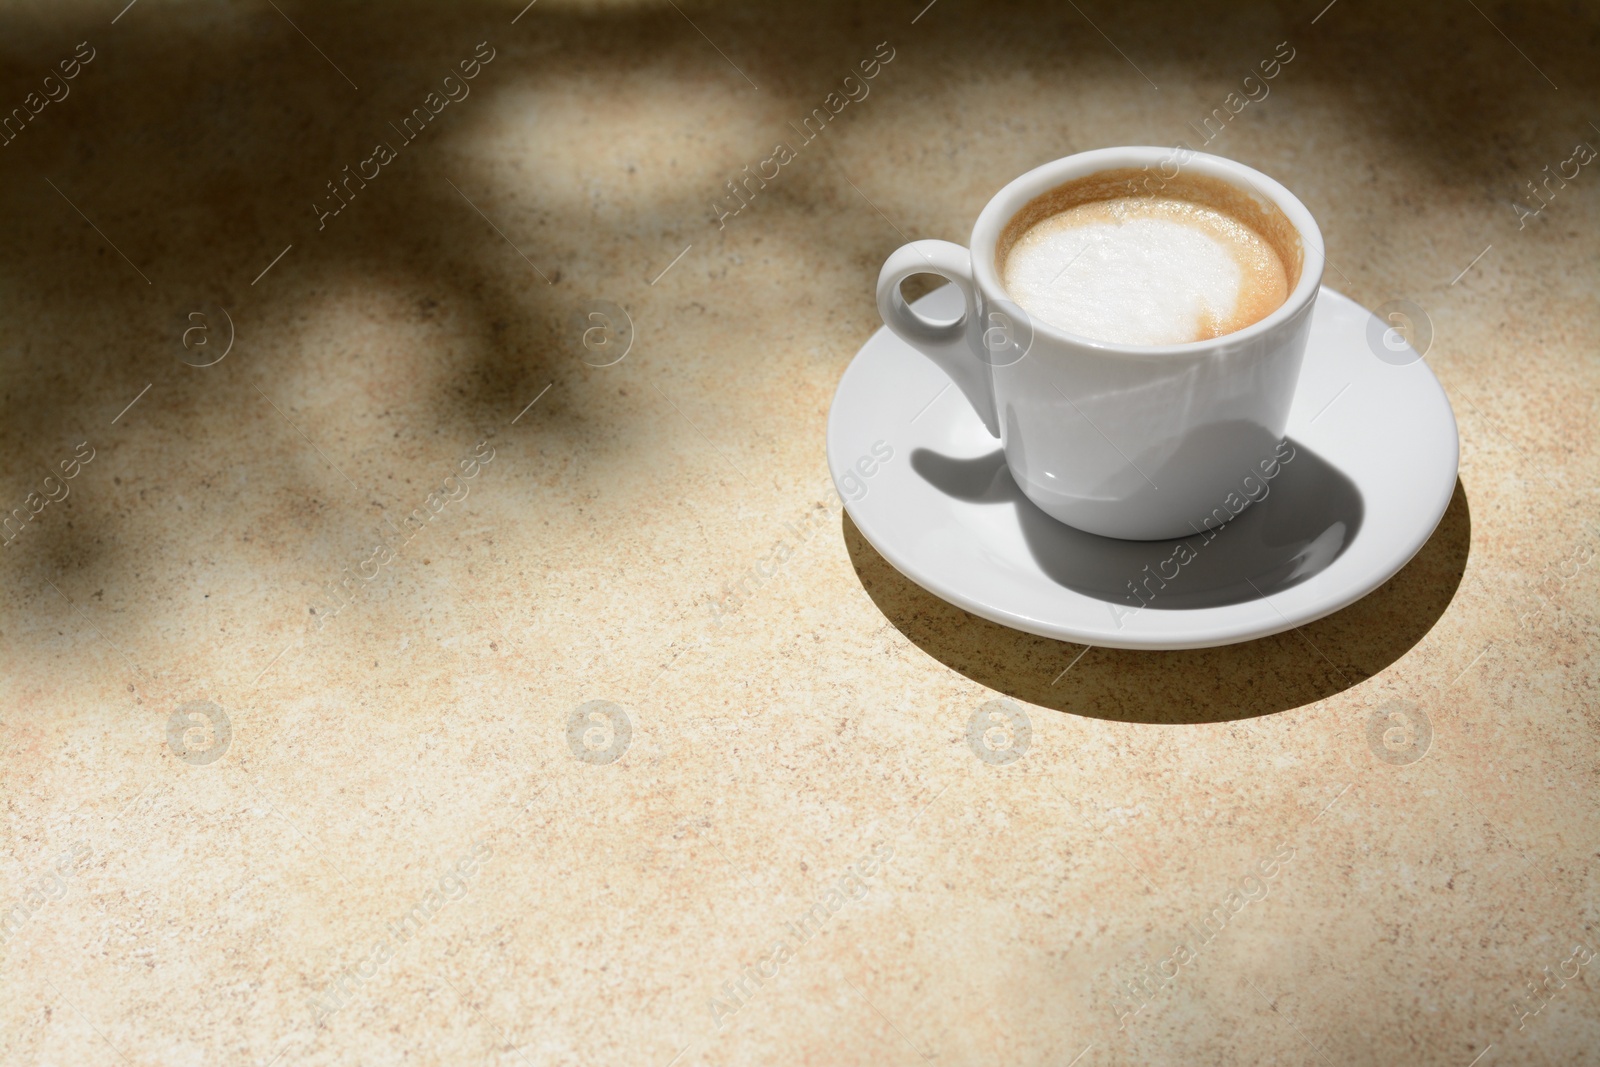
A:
{"points": [[1145, 271]]}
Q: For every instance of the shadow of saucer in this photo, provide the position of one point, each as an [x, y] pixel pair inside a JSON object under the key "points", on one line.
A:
{"points": [[1309, 514], [1241, 681]]}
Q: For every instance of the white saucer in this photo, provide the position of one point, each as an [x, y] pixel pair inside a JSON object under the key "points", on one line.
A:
{"points": [[1373, 471]]}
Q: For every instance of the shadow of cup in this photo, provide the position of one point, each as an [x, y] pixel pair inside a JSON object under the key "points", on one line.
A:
{"points": [[1308, 514], [1240, 681]]}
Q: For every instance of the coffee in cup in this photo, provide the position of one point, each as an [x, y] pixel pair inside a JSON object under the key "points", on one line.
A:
{"points": [[1103, 258]]}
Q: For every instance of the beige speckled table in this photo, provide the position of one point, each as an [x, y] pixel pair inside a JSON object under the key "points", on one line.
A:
{"points": [[291, 772]]}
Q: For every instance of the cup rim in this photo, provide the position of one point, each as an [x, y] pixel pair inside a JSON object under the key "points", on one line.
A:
{"points": [[1005, 204]]}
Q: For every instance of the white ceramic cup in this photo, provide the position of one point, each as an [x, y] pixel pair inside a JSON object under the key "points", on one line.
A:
{"points": [[1145, 442]]}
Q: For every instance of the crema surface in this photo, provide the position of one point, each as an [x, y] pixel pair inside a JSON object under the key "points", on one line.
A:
{"points": [[1145, 271]]}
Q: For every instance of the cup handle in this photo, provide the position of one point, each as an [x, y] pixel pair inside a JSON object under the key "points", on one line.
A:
{"points": [[954, 346]]}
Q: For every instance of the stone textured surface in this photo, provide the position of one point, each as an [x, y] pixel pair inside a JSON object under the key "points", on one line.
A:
{"points": [[785, 727]]}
